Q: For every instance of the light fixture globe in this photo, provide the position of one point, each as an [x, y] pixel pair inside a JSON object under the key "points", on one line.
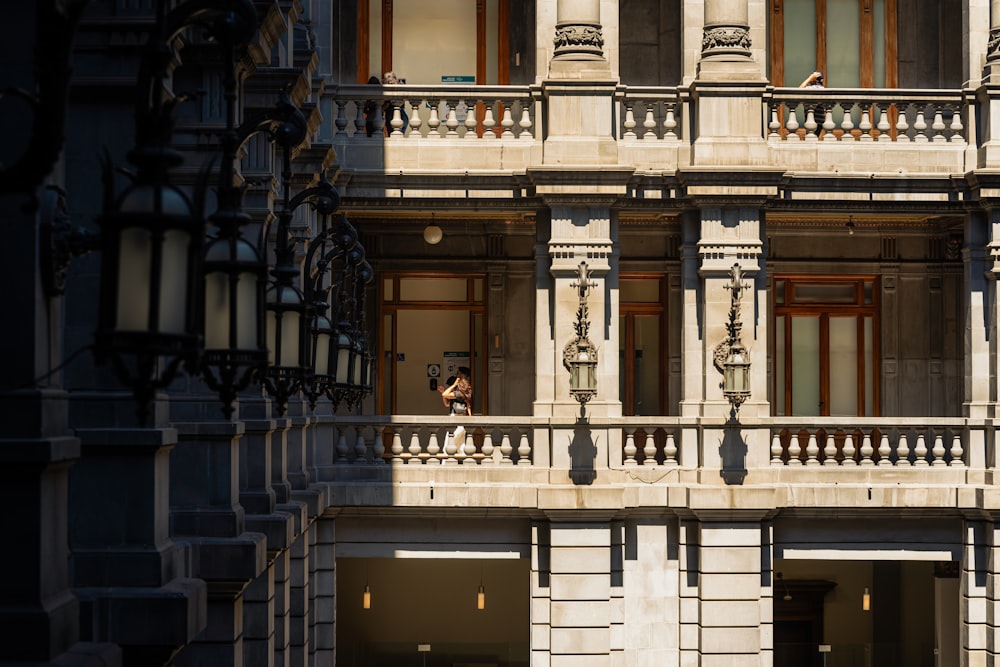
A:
{"points": [[432, 234]]}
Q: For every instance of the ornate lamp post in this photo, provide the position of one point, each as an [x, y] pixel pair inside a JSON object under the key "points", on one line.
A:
{"points": [[580, 355], [152, 233], [732, 359]]}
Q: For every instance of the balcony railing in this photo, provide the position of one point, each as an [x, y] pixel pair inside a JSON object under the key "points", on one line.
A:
{"points": [[651, 114], [807, 442], [447, 111], [868, 115], [870, 442]]}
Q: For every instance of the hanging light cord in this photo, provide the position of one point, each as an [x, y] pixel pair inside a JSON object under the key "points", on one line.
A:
{"points": [[66, 362]]}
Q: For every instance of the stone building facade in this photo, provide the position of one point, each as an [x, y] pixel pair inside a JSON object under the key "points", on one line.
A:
{"points": [[645, 174]]}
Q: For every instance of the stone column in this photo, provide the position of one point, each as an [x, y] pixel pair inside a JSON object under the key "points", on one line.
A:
{"points": [[578, 30], [976, 635], [580, 594], [324, 630], [651, 616], [731, 625], [720, 238], [726, 33], [981, 256]]}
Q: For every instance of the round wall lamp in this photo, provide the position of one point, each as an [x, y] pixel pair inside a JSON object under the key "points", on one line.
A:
{"points": [[432, 233]]}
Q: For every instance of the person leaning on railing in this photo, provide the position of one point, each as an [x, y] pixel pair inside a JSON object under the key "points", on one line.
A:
{"points": [[815, 80]]}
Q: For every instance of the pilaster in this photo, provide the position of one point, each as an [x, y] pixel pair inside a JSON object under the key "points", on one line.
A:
{"points": [[981, 256]]}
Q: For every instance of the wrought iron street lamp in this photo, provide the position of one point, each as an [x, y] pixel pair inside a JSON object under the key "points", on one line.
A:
{"points": [[731, 357], [152, 233], [580, 355]]}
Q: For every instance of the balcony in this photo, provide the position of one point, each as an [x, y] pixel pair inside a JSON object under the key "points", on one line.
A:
{"points": [[498, 129], [663, 461]]}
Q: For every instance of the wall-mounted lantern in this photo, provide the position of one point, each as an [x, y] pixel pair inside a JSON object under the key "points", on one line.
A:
{"points": [[580, 355], [732, 359]]}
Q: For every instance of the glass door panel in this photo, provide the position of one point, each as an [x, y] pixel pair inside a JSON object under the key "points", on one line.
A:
{"points": [[843, 366], [805, 366]]}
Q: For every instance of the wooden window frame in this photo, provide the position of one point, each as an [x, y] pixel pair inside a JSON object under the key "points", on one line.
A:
{"points": [[824, 311]]}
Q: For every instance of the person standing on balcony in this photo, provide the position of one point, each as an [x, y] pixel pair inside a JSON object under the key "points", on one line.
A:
{"points": [[388, 79], [372, 108], [457, 397]]}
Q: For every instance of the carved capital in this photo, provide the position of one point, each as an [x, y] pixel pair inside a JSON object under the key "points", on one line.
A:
{"points": [[993, 48], [579, 39], [726, 39]]}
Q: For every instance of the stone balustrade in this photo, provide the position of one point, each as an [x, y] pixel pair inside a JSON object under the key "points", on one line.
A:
{"points": [[879, 442], [651, 114], [409, 112], [867, 115]]}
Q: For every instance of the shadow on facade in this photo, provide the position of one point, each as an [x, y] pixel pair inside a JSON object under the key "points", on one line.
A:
{"points": [[733, 452], [582, 454]]}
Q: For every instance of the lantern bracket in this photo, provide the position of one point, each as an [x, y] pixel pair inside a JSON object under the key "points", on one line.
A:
{"points": [[731, 358]]}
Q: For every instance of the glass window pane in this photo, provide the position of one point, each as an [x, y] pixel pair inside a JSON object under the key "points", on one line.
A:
{"points": [[869, 367], [478, 371], [779, 291], [800, 40], [878, 38], [843, 366], [869, 293], [779, 366], [825, 293], [640, 291], [646, 382], [805, 366], [387, 365], [477, 289], [387, 289], [843, 44], [432, 289]]}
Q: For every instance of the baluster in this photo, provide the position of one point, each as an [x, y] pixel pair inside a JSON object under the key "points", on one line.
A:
{"points": [[451, 120], [489, 123], [957, 129], [433, 450], [828, 125], [903, 449], [359, 118], [829, 450], [956, 450], [505, 450], [488, 448], [378, 448], [447, 453], [919, 125], [415, 451], [920, 450], [670, 450], [525, 123], [847, 124], [884, 450], [938, 126], [470, 121], [866, 124], [415, 120], [794, 449], [649, 124], [460, 447], [883, 123], [902, 126], [849, 450], [506, 122], [773, 126], [812, 450], [341, 121], [866, 450], [360, 448], [434, 121], [399, 455], [629, 121], [792, 124], [810, 124], [938, 451], [523, 450], [396, 123], [342, 449], [649, 450], [670, 124], [776, 449], [630, 448]]}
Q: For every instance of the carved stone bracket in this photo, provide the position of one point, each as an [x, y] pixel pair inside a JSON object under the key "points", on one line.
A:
{"points": [[726, 39], [579, 39]]}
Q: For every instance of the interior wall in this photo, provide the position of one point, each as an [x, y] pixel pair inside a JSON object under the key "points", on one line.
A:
{"points": [[650, 42], [422, 338], [432, 601]]}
